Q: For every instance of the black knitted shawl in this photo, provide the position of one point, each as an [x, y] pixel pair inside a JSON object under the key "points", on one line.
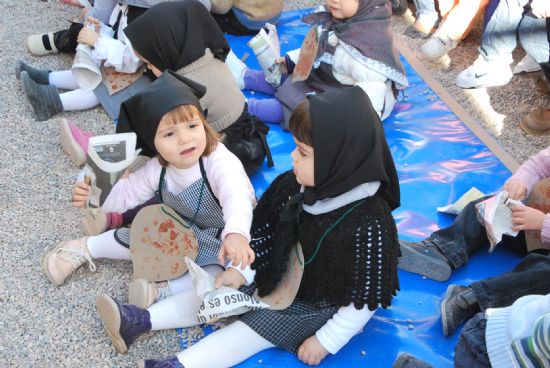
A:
{"points": [[357, 261]]}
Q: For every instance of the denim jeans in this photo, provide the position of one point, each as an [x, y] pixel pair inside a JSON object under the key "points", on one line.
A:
{"points": [[531, 276], [504, 22], [466, 236], [471, 349]]}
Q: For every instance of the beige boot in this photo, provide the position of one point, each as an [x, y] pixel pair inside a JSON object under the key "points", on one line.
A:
{"points": [[536, 122], [143, 293], [65, 258]]}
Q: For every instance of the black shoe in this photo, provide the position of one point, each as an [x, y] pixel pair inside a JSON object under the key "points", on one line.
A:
{"points": [[406, 360], [458, 305], [172, 362], [424, 258]]}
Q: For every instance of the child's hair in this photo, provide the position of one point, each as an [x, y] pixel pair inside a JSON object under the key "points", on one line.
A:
{"points": [[184, 113], [300, 123]]}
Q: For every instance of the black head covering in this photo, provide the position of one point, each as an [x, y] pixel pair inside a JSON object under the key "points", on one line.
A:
{"points": [[142, 113], [173, 35], [349, 148]]}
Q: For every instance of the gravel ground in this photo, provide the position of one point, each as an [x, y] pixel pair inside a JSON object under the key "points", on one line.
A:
{"points": [[49, 326]]}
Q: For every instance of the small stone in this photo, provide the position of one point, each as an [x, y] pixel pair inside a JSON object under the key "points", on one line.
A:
{"points": [[411, 327], [363, 352], [260, 361]]}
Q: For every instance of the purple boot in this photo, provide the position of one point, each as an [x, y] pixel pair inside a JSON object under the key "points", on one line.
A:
{"points": [[172, 362], [123, 323]]}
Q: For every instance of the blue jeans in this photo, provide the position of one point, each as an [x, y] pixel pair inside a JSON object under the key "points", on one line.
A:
{"points": [[471, 348], [466, 236], [505, 21]]}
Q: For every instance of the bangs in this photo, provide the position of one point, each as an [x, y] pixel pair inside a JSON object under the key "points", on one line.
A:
{"points": [[300, 123]]}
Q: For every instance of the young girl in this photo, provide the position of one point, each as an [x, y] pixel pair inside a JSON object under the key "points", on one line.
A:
{"points": [[184, 37], [342, 190], [355, 47], [193, 173], [245, 17]]}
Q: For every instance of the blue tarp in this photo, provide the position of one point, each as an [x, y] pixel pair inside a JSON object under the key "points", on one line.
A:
{"points": [[438, 159]]}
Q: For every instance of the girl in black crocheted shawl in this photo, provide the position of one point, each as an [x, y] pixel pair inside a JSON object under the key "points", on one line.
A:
{"points": [[336, 207]]}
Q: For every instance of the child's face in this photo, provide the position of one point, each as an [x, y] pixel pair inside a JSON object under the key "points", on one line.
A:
{"points": [[342, 9], [302, 161], [150, 66], [181, 144]]}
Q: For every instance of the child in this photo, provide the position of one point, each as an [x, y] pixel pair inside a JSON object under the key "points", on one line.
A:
{"points": [[41, 86], [342, 190], [245, 17], [355, 47], [184, 37], [199, 178]]}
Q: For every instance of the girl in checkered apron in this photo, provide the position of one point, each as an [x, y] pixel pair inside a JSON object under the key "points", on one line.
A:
{"points": [[193, 173], [354, 47], [337, 205]]}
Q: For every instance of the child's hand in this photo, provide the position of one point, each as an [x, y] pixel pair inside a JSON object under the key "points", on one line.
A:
{"points": [[311, 351], [231, 277], [236, 249], [527, 218], [515, 189], [89, 36], [81, 194], [282, 65]]}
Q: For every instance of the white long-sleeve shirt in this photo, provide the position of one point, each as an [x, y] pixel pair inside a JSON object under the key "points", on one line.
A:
{"points": [[226, 177], [117, 53]]}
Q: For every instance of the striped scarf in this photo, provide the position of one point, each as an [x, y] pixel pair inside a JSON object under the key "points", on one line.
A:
{"points": [[534, 351]]}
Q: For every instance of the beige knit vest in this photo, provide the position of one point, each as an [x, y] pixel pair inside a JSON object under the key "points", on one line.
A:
{"points": [[223, 99], [254, 9]]}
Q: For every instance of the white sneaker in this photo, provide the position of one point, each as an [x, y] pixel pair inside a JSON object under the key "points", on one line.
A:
{"points": [[437, 46], [485, 74], [526, 65], [237, 68], [143, 293]]}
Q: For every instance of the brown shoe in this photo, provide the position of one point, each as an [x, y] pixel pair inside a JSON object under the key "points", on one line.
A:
{"points": [[536, 122], [143, 293]]}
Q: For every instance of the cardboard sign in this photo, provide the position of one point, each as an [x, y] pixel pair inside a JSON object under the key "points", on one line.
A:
{"points": [[159, 242], [285, 292], [539, 199], [117, 81], [308, 52]]}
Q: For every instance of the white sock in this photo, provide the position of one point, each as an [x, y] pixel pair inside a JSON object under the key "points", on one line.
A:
{"points": [[105, 246], [63, 79], [184, 283], [232, 345], [237, 68], [78, 100]]}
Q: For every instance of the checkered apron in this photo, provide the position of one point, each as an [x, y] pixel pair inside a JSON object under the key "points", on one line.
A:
{"points": [[199, 207], [289, 327]]}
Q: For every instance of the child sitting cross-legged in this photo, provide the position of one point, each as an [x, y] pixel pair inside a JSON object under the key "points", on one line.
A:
{"points": [[337, 205], [193, 173]]}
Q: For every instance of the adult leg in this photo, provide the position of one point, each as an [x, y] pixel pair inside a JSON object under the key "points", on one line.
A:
{"points": [[460, 19], [534, 36]]}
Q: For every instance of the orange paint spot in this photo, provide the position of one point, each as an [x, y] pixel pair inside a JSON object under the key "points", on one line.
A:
{"points": [[173, 235], [146, 229]]}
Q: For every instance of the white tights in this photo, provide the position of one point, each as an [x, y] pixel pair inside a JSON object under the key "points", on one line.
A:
{"points": [[76, 99], [105, 246]]}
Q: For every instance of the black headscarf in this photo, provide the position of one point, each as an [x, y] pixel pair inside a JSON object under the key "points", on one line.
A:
{"points": [[143, 112], [173, 35], [349, 147]]}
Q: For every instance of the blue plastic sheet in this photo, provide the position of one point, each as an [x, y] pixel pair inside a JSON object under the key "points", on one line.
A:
{"points": [[438, 159]]}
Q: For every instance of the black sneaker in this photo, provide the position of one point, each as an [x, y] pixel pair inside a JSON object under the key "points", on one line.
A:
{"points": [[458, 305], [424, 258]]}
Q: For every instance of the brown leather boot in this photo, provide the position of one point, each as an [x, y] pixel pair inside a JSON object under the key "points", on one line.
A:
{"points": [[536, 122]]}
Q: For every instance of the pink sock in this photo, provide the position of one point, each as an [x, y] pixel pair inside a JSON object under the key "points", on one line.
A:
{"points": [[80, 136]]}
